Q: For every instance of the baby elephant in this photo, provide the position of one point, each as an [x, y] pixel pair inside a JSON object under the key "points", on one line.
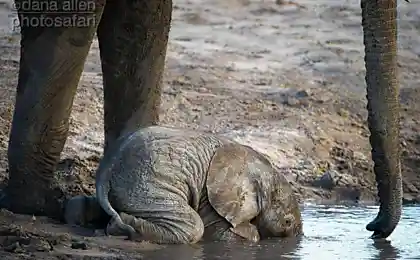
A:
{"points": [[168, 185]]}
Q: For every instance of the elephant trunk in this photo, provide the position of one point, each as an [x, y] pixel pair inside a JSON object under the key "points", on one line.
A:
{"points": [[380, 40]]}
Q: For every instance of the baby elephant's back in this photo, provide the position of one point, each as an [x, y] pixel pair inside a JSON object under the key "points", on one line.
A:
{"points": [[149, 168]]}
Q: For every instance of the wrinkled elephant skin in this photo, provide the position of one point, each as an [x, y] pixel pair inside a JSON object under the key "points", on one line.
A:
{"points": [[178, 186], [380, 39], [132, 38]]}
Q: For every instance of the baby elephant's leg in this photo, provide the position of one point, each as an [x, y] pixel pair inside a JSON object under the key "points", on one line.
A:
{"points": [[223, 231], [85, 211], [172, 225], [217, 228], [75, 211]]}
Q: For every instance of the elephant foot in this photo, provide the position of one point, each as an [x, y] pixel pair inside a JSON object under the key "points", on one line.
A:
{"points": [[40, 198], [85, 211], [113, 229], [380, 226], [377, 226]]}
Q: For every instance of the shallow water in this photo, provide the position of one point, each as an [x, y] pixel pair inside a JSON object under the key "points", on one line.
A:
{"points": [[331, 232]]}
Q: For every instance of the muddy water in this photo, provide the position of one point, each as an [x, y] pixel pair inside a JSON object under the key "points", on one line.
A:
{"points": [[331, 232]]}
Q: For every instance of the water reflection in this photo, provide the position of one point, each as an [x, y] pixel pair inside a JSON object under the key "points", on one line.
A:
{"points": [[181, 252], [268, 249], [331, 232], [385, 250]]}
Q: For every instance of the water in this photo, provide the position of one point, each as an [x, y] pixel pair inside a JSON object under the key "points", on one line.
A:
{"points": [[331, 232]]}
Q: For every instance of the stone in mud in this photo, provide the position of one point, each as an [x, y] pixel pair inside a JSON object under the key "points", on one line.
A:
{"points": [[297, 99], [409, 199], [347, 194], [79, 245], [38, 245], [302, 94], [14, 248], [19, 244], [409, 187], [327, 181]]}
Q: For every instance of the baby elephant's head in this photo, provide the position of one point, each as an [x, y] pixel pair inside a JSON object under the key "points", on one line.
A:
{"points": [[280, 216], [84, 211]]}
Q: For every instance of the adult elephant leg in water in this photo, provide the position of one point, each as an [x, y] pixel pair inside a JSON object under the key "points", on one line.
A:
{"points": [[380, 40], [133, 37]]}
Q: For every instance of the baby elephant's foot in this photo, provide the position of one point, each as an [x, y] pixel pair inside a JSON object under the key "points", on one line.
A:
{"points": [[113, 229], [75, 213], [84, 211]]}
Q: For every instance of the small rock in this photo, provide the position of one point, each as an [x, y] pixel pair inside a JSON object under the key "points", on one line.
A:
{"points": [[10, 241], [202, 90], [79, 245], [291, 101], [6, 213], [14, 248], [302, 94], [39, 245], [409, 199], [344, 113], [417, 140], [348, 194], [409, 187], [297, 99], [346, 180], [327, 180]]}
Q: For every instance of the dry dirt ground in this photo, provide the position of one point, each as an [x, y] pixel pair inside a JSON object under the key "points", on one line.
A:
{"points": [[286, 78]]}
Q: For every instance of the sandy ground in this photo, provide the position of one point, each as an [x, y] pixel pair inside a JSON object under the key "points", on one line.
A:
{"points": [[286, 79]]}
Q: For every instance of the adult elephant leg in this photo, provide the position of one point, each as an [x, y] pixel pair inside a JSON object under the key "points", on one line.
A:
{"points": [[380, 40], [51, 63], [133, 36]]}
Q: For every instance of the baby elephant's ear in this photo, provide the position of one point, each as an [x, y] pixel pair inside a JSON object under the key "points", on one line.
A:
{"points": [[231, 189]]}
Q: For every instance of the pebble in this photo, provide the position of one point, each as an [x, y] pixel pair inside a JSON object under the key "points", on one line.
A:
{"points": [[327, 180], [79, 245], [409, 199]]}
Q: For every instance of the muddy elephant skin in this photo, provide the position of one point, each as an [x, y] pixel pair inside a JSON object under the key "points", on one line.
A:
{"points": [[132, 38], [380, 40], [177, 186]]}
